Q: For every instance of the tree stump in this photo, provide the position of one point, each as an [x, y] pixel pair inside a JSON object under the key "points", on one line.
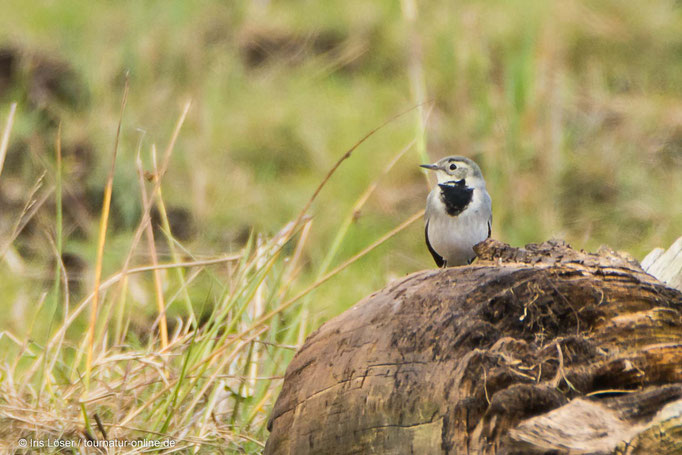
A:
{"points": [[542, 349]]}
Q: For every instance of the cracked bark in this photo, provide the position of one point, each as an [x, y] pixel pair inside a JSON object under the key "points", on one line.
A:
{"points": [[536, 350]]}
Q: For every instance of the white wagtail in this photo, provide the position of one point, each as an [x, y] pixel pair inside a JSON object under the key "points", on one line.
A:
{"points": [[458, 211]]}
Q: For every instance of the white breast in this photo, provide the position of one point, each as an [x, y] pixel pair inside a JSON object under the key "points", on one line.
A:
{"points": [[453, 237]]}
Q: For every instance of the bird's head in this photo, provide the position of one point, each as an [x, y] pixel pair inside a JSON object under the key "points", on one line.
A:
{"points": [[454, 170]]}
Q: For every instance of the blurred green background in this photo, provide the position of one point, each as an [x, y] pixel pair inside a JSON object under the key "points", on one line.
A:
{"points": [[572, 108]]}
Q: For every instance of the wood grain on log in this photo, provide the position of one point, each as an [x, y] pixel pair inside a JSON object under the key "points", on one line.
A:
{"points": [[536, 350], [666, 265]]}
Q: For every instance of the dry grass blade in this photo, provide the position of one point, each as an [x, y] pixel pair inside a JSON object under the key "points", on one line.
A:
{"points": [[293, 269], [161, 206], [118, 277], [104, 220], [158, 289], [30, 209], [171, 146], [344, 157], [5, 135], [145, 219], [224, 361], [343, 230], [357, 207], [57, 247], [288, 303], [63, 277]]}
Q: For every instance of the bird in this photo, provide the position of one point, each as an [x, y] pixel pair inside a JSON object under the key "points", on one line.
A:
{"points": [[458, 211]]}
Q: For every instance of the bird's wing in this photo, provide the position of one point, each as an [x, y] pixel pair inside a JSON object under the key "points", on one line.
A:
{"points": [[489, 206], [440, 262]]}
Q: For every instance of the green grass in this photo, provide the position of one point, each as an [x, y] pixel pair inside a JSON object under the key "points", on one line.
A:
{"points": [[571, 108]]}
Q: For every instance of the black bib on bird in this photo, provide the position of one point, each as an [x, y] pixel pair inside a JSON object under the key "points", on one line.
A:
{"points": [[456, 196]]}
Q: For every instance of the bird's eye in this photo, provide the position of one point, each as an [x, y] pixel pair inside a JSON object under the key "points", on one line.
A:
{"points": [[453, 166]]}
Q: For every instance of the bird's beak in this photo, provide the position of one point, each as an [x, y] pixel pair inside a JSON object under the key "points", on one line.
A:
{"points": [[432, 167]]}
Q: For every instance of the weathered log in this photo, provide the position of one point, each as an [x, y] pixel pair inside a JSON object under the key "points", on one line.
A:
{"points": [[537, 350]]}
